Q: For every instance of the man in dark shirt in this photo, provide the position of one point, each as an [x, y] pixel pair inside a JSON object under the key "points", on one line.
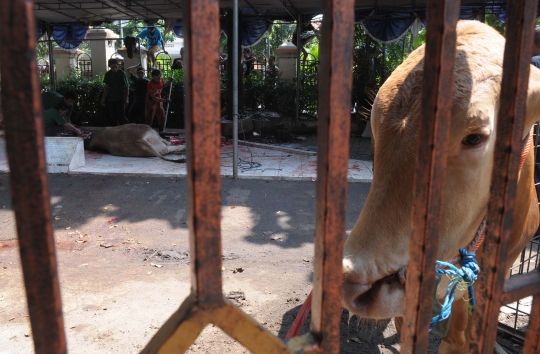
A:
{"points": [[536, 48], [140, 84], [116, 92], [54, 120], [50, 99], [247, 61], [178, 63]]}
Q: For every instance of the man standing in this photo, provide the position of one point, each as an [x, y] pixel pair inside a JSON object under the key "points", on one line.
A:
{"points": [[271, 70], [154, 43], [51, 99], [140, 84], [116, 92], [178, 63], [247, 61]]}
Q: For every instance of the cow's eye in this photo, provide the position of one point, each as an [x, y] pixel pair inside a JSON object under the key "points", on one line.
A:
{"points": [[473, 139]]}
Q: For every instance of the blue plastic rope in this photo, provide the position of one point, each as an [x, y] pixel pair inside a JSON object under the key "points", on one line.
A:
{"points": [[468, 274]]}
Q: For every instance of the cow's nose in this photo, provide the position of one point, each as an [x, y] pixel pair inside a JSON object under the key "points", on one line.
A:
{"points": [[355, 296]]}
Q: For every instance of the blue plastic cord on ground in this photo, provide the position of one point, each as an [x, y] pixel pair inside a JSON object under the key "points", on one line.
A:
{"points": [[468, 274]]}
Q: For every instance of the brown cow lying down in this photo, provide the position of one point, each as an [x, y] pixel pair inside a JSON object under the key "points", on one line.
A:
{"points": [[378, 246], [133, 140]]}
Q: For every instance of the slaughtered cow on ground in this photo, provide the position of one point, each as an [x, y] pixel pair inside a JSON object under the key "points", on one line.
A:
{"points": [[376, 254], [133, 140]]}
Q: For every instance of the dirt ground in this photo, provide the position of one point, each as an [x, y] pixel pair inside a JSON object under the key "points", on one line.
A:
{"points": [[122, 246]]}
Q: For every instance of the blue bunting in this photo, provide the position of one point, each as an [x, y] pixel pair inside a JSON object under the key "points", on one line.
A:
{"points": [[179, 28], [252, 29], [388, 25], [61, 32]]}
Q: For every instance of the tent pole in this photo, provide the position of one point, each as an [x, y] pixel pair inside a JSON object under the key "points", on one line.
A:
{"points": [[235, 89], [298, 51], [51, 60]]}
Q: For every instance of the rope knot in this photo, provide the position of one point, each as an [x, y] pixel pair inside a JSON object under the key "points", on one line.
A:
{"points": [[467, 274]]}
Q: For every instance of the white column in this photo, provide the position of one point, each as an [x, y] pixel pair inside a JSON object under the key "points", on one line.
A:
{"points": [[101, 51]]}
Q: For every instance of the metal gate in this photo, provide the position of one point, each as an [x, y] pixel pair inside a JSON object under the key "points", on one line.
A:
{"points": [[206, 304], [84, 65], [514, 316]]}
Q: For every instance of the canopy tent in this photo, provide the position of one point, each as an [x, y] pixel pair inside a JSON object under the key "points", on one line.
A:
{"points": [[384, 20], [61, 11]]}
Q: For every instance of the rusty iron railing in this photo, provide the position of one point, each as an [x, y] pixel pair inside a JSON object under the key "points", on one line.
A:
{"points": [[206, 304], [28, 175], [491, 289]]}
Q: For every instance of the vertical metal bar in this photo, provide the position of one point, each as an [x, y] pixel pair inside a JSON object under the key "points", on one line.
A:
{"points": [[235, 89], [383, 75], [21, 103], [335, 82], [510, 126], [532, 339], [140, 53], [434, 128], [52, 73], [298, 53], [202, 111]]}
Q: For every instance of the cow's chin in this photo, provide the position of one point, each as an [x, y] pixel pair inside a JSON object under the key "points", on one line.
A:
{"points": [[380, 300]]}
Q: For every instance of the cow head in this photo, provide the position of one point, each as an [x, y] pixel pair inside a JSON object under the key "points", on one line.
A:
{"points": [[377, 247]]}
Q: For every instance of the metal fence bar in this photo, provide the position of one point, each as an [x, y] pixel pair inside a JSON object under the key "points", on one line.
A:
{"points": [[28, 175], [521, 286], [332, 166], [532, 339], [434, 128], [510, 126], [202, 112]]}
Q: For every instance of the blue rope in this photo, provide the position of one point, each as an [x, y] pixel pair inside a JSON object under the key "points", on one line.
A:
{"points": [[468, 274]]}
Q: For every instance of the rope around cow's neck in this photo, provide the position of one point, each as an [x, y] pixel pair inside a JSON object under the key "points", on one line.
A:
{"points": [[467, 260], [468, 272]]}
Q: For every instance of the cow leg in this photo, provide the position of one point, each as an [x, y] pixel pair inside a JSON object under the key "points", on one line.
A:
{"points": [[177, 148], [457, 339]]}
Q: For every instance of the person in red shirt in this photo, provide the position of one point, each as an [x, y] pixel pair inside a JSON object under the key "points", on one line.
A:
{"points": [[154, 102]]}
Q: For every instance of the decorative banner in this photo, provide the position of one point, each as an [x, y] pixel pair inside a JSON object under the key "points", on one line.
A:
{"points": [[178, 28], [252, 27], [74, 32], [387, 25]]}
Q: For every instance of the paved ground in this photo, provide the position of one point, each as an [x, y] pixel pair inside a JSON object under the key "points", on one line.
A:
{"points": [[114, 299], [112, 231], [360, 148]]}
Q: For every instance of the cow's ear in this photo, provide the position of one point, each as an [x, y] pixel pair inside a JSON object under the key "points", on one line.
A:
{"points": [[533, 100]]}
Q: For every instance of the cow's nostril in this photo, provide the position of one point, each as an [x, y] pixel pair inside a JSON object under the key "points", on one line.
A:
{"points": [[356, 296]]}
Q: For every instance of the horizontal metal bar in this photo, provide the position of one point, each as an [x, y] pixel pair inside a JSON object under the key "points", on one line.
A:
{"points": [[81, 40], [520, 286]]}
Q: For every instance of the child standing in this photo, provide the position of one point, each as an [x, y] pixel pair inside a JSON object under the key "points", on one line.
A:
{"points": [[154, 102]]}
